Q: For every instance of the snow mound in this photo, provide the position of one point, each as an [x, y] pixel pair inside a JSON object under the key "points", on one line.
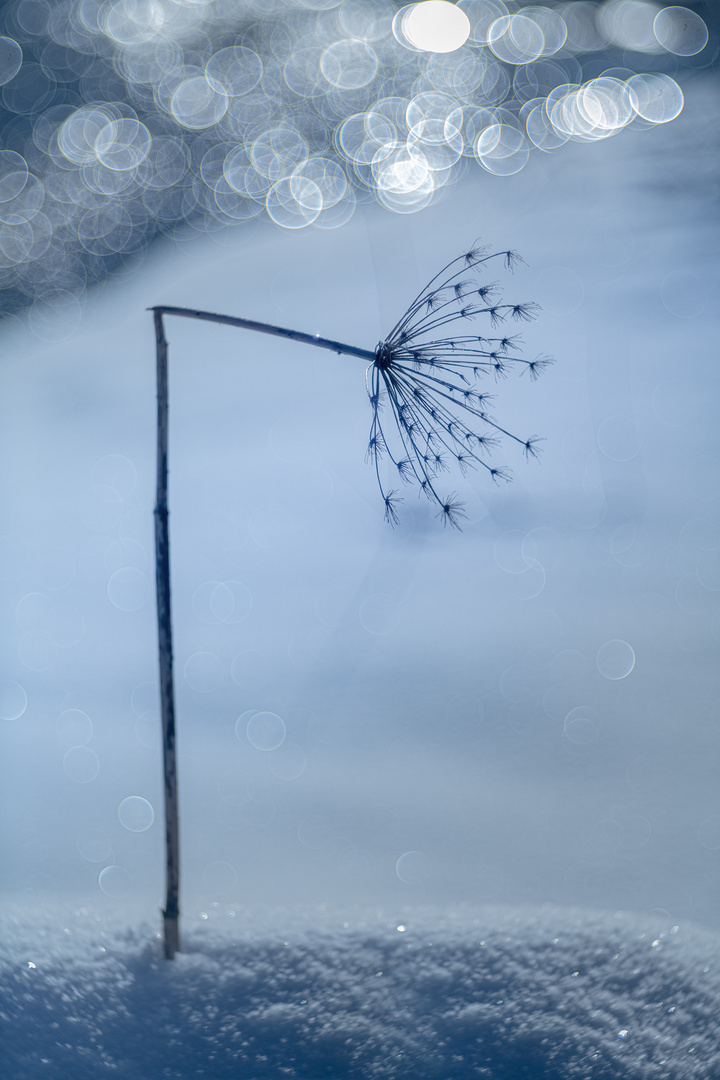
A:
{"points": [[497, 994]]}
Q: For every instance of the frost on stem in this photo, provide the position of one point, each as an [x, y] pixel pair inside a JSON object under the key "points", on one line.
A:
{"points": [[425, 376]]}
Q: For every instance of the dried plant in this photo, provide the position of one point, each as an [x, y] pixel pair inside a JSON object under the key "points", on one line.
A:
{"points": [[437, 418], [425, 376]]}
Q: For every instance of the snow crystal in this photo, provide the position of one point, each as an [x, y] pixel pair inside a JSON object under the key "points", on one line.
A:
{"points": [[493, 993]]}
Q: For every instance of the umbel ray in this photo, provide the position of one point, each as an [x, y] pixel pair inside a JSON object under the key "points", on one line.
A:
{"points": [[429, 414]]}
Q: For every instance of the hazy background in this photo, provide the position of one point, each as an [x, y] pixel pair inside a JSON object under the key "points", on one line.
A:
{"points": [[458, 724]]}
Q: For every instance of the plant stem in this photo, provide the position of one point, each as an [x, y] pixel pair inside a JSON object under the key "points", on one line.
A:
{"points": [[266, 328], [171, 912], [167, 694]]}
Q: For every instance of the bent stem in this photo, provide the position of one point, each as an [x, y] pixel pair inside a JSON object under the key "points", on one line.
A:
{"points": [[171, 911]]}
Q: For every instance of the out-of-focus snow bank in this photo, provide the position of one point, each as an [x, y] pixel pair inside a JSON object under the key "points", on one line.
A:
{"points": [[497, 994]]}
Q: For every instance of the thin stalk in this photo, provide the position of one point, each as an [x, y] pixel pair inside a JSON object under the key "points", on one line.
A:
{"points": [[266, 328], [171, 912]]}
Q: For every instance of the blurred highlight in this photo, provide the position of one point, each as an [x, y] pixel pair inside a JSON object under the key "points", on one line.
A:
{"points": [[123, 120]]}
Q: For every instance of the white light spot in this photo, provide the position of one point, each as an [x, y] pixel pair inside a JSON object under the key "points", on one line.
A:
{"points": [[709, 832], [148, 728], [508, 553], [143, 697], [128, 589], [10, 59], [203, 671], [230, 601], [74, 727], [680, 31], [81, 764], [94, 845], [265, 731], [115, 882], [413, 867], [530, 583], [349, 64], [657, 97], [615, 659], [568, 664], [136, 814], [629, 24], [436, 26], [124, 552], [618, 438], [198, 103], [516, 39], [13, 700], [581, 727], [685, 294], [118, 472]]}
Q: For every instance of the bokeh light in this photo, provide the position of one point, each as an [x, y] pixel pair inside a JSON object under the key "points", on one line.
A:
{"points": [[136, 813], [581, 726], [680, 31], [615, 659], [115, 882], [128, 589], [128, 121], [74, 727], [203, 671], [81, 764], [413, 867], [265, 731], [436, 26], [13, 700], [94, 845], [11, 58]]}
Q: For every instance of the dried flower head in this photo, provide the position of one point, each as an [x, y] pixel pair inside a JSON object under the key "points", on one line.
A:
{"points": [[425, 377]]}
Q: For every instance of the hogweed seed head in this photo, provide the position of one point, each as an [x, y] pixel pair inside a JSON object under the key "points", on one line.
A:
{"points": [[426, 372], [422, 381], [391, 504], [451, 512]]}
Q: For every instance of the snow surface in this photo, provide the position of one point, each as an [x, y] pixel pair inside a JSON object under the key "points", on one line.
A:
{"points": [[493, 993]]}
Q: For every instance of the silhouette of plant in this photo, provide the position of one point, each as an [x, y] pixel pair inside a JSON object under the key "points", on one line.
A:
{"points": [[436, 417], [425, 376]]}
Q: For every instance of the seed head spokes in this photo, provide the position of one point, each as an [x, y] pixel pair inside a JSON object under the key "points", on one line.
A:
{"points": [[428, 374], [391, 507], [537, 366], [452, 511], [525, 312]]}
